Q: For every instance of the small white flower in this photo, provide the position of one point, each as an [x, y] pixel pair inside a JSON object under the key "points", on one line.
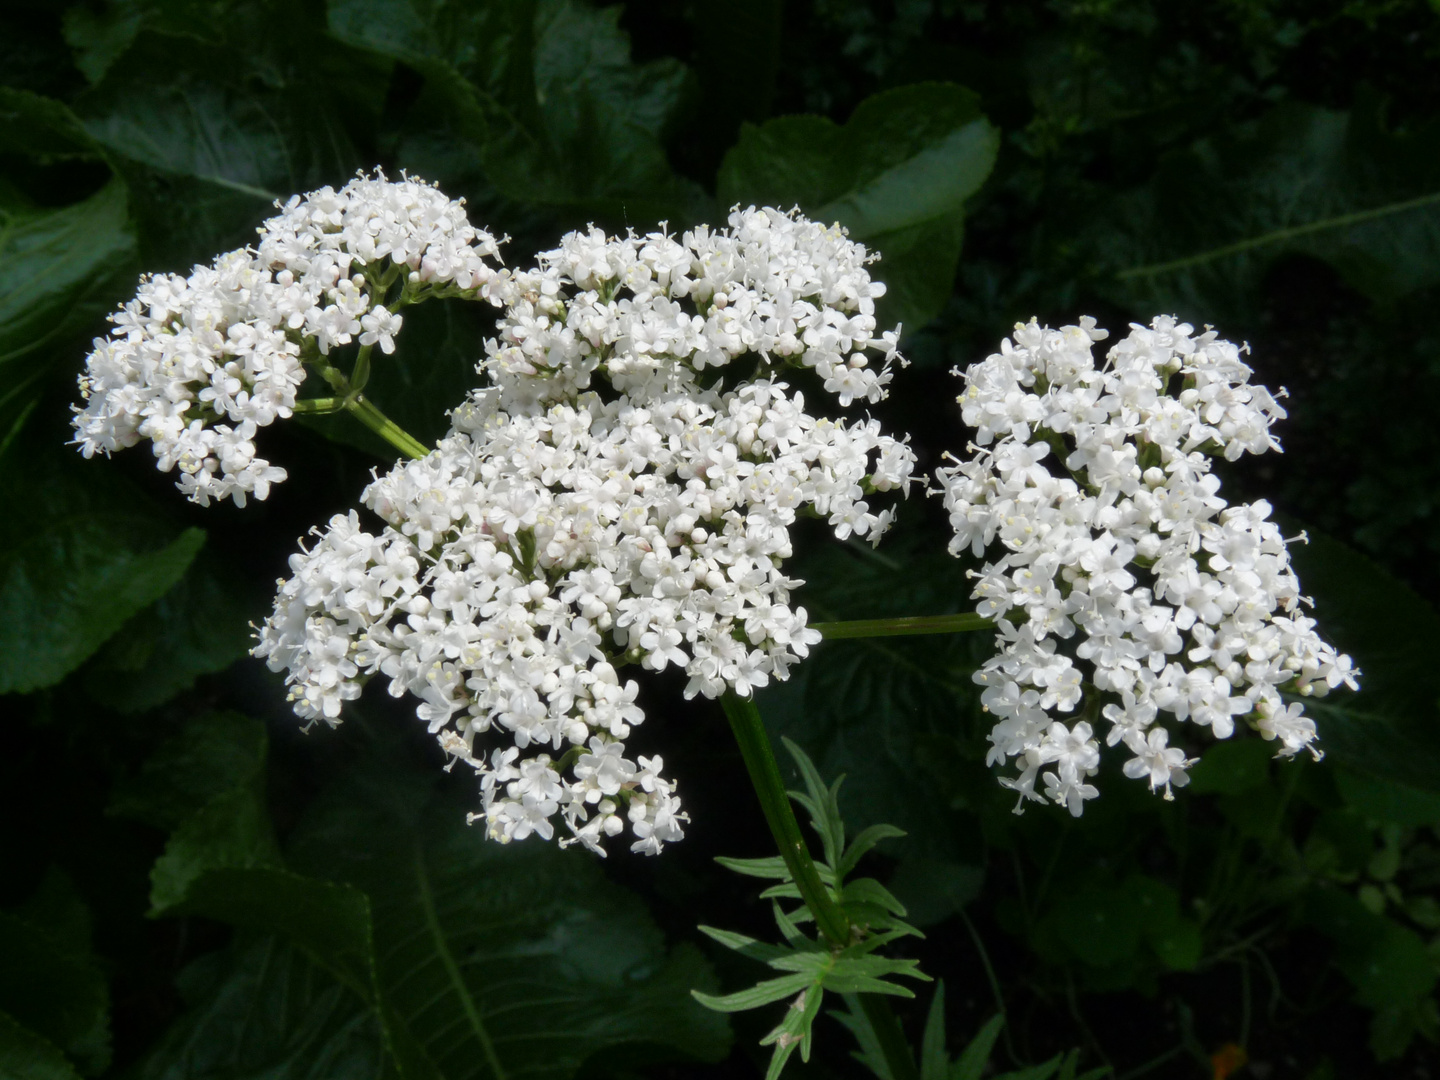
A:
{"points": [[1188, 607]]}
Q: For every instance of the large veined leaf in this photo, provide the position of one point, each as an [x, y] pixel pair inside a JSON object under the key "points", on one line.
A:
{"points": [[264, 1010], [1391, 728], [25, 1053], [55, 266], [55, 991], [79, 562], [896, 174], [1335, 186], [474, 960], [546, 91], [200, 626], [206, 150], [503, 960]]}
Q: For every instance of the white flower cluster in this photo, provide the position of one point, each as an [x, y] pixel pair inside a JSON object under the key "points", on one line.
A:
{"points": [[197, 364], [1124, 573], [564, 530]]}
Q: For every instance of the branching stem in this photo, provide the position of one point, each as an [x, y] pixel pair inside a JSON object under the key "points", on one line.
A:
{"points": [[834, 924]]}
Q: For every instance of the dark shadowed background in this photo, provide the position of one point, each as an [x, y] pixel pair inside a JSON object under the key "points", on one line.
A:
{"points": [[190, 887]]}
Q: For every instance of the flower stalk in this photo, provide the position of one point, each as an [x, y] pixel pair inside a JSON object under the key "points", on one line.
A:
{"points": [[760, 762], [904, 626]]}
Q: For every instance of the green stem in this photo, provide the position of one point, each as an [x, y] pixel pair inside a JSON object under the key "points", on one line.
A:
{"points": [[387, 429], [913, 624], [320, 405], [780, 816], [361, 373], [834, 924]]}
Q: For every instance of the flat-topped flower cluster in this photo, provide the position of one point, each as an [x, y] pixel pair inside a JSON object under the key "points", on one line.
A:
{"points": [[610, 498], [1122, 574], [198, 364]]}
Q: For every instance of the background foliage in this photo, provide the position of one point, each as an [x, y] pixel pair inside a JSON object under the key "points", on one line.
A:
{"points": [[194, 888]]}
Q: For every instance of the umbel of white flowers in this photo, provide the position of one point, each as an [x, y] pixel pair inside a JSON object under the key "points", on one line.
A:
{"points": [[1115, 567], [198, 364], [558, 533]]}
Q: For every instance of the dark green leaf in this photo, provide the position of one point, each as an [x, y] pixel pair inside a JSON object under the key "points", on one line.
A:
{"points": [[867, 839], [200, 626], [970, 1065], [212, 754], [745, 946], [232, 831], [519, 954], [58, 993], [760, 994], [263, 1010], [934, 1060], [1387, 800], [56, 266], [41, 128], [548, 91], [1391, 728], [26, 1055], [71, 578], [897, 175], [1335, 186]]}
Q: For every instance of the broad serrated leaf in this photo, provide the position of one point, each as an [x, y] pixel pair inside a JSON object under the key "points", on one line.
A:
{"points": [[41, 128], [213, 753], [1336, 186], [55, 991], [263, 1010], [27, 1055], [496, 956], [559, 112], [82, 560], [1389, 729], [896, 174], [199, 627], [57, 272], [232, 831]]}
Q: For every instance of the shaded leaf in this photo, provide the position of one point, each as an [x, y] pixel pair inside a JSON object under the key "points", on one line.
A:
{"points": [[1335, 186], [55, 991], [263, 1009], [897, 175], [71, 578], [1390, 729], [212, 754], [56, 271], [26, 1055], [519, 954], [198, 627]]}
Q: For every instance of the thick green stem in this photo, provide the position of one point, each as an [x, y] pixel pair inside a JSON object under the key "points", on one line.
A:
{"points": [[387, 429], [780, 816], [913, 624], [829, 916]]}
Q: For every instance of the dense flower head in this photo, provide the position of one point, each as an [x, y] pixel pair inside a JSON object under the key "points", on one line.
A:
{"points": [[197, 364], [598, 505], [1117, 573], [657, 314]]}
